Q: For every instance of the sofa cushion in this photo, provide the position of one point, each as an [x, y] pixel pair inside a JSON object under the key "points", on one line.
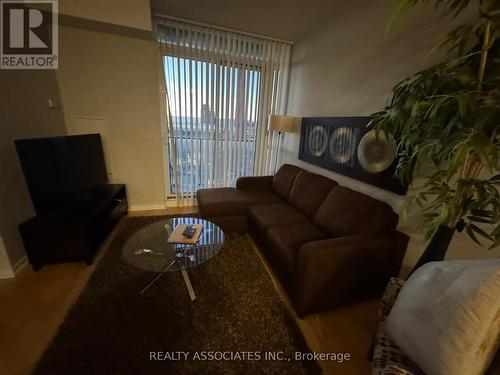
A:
{"points": [[230, 224], [285, 242], [262, 196], [276, 215], [447, 316], [220, 202], [345, 212], [308, 192], [283, 179], [254, 182], [230, 201]]}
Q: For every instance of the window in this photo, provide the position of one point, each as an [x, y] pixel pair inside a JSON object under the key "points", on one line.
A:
{"points": [[220, 87], [209, 119]]}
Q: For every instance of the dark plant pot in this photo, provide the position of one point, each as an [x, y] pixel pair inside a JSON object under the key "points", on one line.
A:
{"points": [[437, 247]]}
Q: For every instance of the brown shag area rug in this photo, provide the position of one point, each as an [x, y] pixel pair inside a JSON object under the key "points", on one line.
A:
{"points": [[112, 329]]}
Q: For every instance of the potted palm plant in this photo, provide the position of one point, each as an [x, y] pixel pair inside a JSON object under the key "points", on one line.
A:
{"points": [[446, 120]]}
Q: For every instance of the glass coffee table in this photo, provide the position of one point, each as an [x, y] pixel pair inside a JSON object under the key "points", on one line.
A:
{"points": [[148, 249]]}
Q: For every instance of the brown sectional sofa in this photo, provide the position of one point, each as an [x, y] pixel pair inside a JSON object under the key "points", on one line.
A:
{"points": [[328, 244]]}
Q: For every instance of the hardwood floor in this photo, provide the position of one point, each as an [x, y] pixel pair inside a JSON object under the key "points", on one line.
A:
{"points": [[34, 304]]}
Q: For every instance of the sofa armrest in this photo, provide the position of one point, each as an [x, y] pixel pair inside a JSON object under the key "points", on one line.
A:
{"points": [[254, 182], [345, 269]]}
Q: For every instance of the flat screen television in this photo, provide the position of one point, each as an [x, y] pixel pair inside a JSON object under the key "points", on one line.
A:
{"points": [[59, 169]]}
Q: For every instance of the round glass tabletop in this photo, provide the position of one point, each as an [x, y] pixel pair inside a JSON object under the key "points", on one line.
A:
{"points": [[148, 248]]}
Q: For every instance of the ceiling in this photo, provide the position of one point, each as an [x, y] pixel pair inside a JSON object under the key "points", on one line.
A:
{"points": [[284, 19]]}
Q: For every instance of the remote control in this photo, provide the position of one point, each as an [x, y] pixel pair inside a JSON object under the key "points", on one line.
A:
{"points": [[189, 231]]}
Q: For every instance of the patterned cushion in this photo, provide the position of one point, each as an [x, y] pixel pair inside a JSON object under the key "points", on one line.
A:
{"points": [[390, 294], [395, 370], [388, 359]]}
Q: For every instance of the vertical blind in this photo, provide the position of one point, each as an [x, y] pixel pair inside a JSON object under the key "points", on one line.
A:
{"points": [[219, 88]]}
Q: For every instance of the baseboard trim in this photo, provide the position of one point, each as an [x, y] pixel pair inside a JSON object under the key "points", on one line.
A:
{"points": [[6, 274], [152, 207], [19, 265]]}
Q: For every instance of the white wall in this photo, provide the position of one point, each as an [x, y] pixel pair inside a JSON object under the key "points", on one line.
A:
{"points": [[135, 14], [348, 68], [110, 81]]}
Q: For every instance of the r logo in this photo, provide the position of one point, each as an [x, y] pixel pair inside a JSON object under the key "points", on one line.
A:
{"points": [[17, 28], [28, 33]]}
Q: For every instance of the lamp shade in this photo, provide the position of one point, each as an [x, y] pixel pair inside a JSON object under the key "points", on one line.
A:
{"points": [[280, 123]]}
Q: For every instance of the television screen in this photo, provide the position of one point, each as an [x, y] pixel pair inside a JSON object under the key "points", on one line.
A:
{"points": [[57, 169]]}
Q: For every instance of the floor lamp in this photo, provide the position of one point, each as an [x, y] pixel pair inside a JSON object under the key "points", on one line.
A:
{"points": [[281, 123]]}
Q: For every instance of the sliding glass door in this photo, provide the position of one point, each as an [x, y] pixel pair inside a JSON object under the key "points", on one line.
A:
{"points": [[219, 89], [214, 117]]}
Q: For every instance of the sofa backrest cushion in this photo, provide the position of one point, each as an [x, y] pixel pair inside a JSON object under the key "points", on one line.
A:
{"points": [[283, 179], [308, 192], [345, 212]]}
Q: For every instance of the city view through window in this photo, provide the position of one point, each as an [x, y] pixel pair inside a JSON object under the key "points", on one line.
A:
{"points": [[214, 111]]}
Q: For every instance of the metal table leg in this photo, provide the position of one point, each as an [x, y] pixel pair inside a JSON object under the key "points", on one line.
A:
{"points": [[189, 287], [184, 273], [157, 277]]}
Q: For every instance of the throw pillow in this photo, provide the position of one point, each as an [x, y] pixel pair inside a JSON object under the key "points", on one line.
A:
{"points": [[447, 316]]}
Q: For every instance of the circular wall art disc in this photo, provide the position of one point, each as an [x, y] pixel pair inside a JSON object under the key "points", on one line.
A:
{"points": [[342, 145], [318, 141], [376, 152]]}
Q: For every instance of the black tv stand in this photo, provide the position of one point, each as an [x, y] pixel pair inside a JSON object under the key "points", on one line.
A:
{"points": [[75, 231]]}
